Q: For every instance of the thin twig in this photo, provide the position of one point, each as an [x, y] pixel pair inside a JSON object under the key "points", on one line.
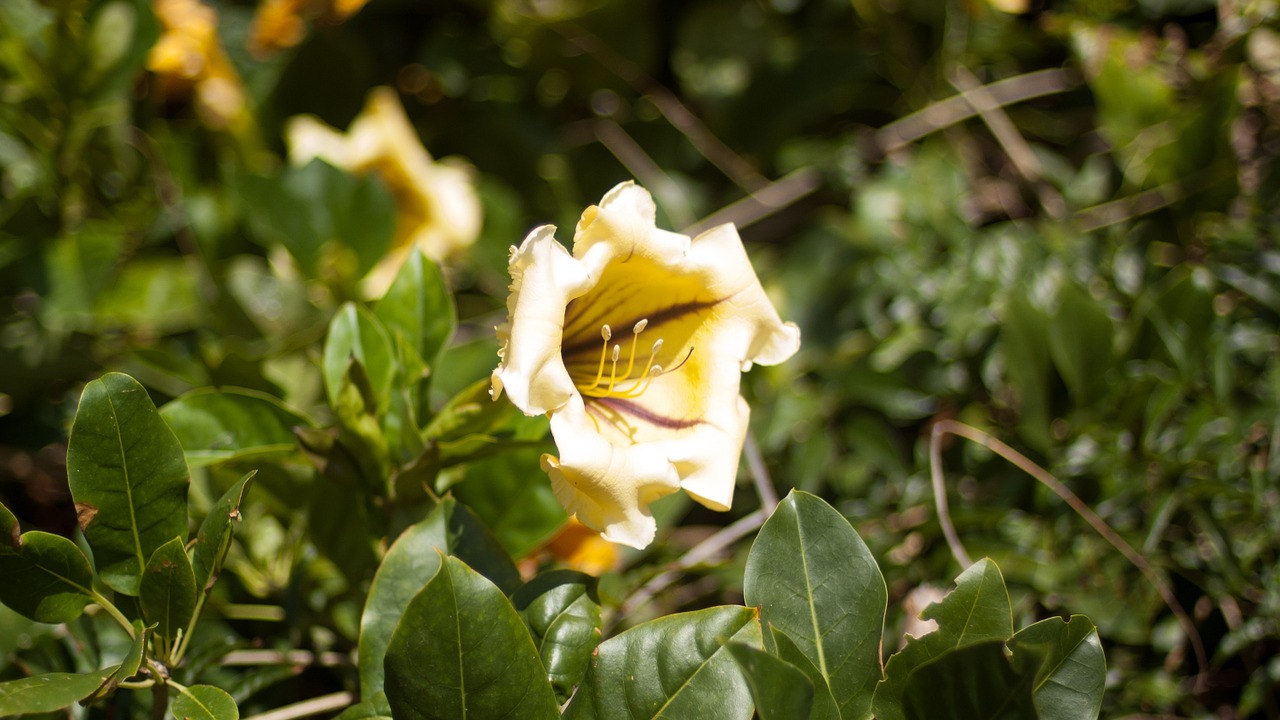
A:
{"points": [[676, 112], [1115, 212], [1011, 141], [760, 474], [704, 550], [763, 202], [314, 706], [649, 173], [958, 108], [1100, 526], [289, 657], [940, 498]]}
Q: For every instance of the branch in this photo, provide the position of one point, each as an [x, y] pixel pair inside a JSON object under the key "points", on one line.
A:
{"points": [[314, 706]]}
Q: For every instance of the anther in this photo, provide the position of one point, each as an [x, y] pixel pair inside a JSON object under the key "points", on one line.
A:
{"points": [[640, 326], [617, 350], [606, 333]]}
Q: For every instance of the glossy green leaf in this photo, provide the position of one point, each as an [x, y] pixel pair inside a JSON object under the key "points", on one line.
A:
{"points": [[974, 682], [824, 706], [1068, 667], [780, 690], [675, 666], [168, 595], [977, 610], [46, 577], [814, 579], [213, 540], [215, 425], [562, 613], [205, 702], [354, 333], [419, 307], [128, 478], [410, 563], [460, 650], [49, 692]]}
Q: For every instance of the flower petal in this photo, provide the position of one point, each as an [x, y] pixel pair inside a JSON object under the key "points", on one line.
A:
{"points": [[609, 488], [544, 278]]}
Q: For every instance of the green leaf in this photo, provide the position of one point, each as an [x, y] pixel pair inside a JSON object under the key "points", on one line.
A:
{"points": [[168, 596], [46, 577], [215, 425], [127, 667], [814, 579], [781, 691], [205, 702], [326, 218], [1069, 669], [410, 563], [675, 667], [824, 705], [562, 613], [975, 682], [157, 295], [355, 333], [128, 478], [419, 308], [977, 610], [460, 650], [49, 692], [1080, 341], [213, 540]]}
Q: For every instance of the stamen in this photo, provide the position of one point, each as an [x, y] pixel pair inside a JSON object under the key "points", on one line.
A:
{"points": [[613, 374], [605, 333], [635, 336]]}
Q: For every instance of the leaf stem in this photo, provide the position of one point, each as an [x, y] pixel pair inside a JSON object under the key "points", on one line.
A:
{"points": [[113, 611]]}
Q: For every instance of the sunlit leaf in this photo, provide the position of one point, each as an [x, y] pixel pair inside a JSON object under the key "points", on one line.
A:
{"points": [[977, 610], [460, 650], [205, 702], [674, 666], [813, 578], [410, 563]]}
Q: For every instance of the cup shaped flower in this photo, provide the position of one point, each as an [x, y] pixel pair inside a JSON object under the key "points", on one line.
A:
{"points": [[437, 209], [634, 346]]}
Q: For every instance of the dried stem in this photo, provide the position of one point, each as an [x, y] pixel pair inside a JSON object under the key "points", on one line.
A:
{"points": [[677, 113], [763, 202], [1100, 526], [313, 706], [649, 173], [958, 108]]}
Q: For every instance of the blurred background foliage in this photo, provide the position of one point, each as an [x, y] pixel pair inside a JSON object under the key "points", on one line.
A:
{"points": [[1052, 220]]}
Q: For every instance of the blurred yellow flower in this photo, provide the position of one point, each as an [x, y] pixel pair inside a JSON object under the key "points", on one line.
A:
{"points": [[636, 420], [280, 24], [438, 210], [188, 61], [579, 547]]}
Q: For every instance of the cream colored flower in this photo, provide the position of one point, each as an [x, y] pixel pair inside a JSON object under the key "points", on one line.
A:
{"points": [[437, 207], [634, 345]]}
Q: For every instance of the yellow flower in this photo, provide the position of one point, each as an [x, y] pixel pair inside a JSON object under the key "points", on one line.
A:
{"points": [[634, 345], [280, 24], [188, 60], [438, 210]]}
